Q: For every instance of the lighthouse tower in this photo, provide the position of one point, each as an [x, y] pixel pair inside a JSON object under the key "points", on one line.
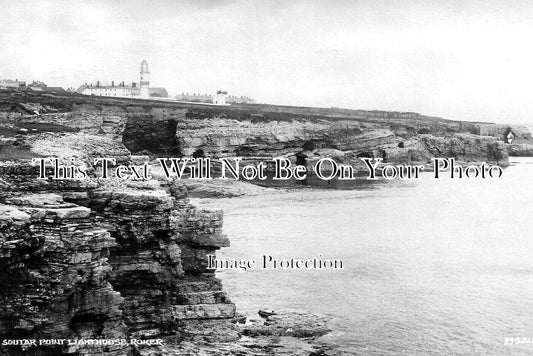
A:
{"points": [[145, 81]]}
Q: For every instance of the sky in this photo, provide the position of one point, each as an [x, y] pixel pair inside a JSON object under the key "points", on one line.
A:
{"points": [[462, 60]]}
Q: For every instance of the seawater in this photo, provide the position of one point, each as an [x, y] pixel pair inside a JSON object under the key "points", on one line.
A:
{"points": [[431, 266]]}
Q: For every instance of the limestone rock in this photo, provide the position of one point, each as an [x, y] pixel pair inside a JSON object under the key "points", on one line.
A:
{"points": [[467, 147], [162, 243], [290, 323], [520, 149], [55, 275], [9, 214]]}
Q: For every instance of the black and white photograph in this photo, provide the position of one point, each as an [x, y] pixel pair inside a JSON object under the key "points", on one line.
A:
{"points": [[266, 177]]}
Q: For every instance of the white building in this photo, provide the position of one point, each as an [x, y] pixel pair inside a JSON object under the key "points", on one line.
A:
{"points": [[125, 91], [220, 97], [121, 90], [11, 84]]}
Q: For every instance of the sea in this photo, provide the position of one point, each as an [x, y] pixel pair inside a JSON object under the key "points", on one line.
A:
{"points": [[431, 266]]}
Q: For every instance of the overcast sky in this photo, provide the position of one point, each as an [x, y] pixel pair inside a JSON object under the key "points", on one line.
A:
{"points": [[465, 60]]}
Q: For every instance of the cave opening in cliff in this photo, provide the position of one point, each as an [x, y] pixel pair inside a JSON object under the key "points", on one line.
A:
{"points": [[199, 153], [244, 151], [152, 136], [301, 159], [366, 154], [308, 146], [90, 321]]}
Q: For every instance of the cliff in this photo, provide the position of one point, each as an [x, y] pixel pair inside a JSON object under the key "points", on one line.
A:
{"points": [[88, 259], [107, 259], [55, 275], [93, 260], [254, 131]]}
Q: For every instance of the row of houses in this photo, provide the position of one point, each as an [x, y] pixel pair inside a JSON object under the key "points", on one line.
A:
{"points": [[21, 85], [389, 114], [121, 89], [142, 90], [213, 98]]}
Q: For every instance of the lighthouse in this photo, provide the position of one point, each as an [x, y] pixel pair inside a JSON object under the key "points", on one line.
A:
{"points": [[145, 81]]}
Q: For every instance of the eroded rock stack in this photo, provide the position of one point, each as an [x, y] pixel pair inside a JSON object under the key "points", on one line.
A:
{"points": [[55, 276], [160, 260], [130, 264]]}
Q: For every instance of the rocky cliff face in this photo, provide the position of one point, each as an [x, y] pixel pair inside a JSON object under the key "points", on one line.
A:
{"points": [[165, 129], [520, 149], [91, 260], [160, 259], [305, 140], [122, 263], [55, 275], [258, 135]]}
